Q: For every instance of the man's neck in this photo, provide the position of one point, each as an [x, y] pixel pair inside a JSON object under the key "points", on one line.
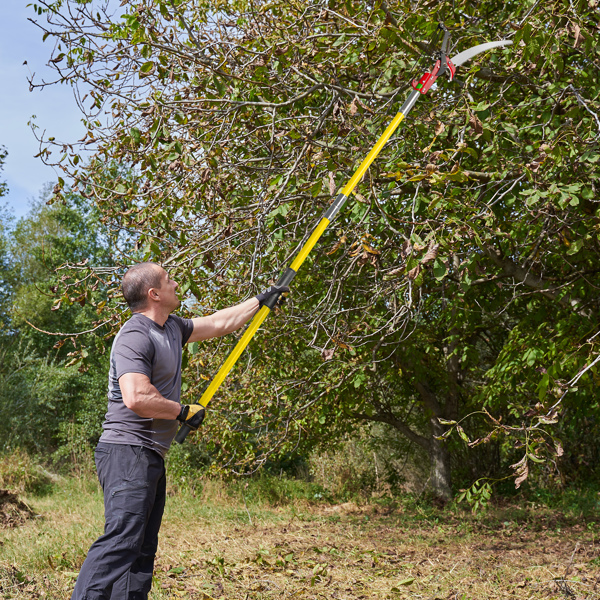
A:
{"points": [[154, 313]]}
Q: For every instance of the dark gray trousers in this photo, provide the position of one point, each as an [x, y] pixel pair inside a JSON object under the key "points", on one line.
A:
{"points": [[120, 563]]}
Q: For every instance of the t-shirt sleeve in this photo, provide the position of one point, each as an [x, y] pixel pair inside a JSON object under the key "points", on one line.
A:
{"points": [[133, 353], [186, 326]]}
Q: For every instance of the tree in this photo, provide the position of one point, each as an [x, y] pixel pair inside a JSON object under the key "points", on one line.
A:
{"points": [[471, 237], [47, 398], [5, 220]]}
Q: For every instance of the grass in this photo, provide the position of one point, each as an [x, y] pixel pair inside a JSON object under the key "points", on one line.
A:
{"points": [[234, 542]]}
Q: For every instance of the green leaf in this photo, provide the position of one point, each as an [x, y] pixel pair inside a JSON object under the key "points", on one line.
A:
{"points": [[536, 459], [315, 190], [359, 379], [543, 386], [439, 269], [575, 247], [147, 67], [176, 570], [532, 198], [340, 40], [470, 151], [462, 434], [164, 11], [222, 89]]}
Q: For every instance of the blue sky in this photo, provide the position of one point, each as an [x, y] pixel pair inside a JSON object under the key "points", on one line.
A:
{"points": [[55, 108]]}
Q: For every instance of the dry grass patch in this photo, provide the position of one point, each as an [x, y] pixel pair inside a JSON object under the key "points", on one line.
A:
{"points": [[216, 547], [363, 554], [13, 512]]}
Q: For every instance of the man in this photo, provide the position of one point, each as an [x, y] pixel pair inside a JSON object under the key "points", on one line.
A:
{"points": [[144, 412]]}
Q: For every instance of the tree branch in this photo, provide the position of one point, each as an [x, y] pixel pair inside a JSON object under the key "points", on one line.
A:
{"points": [[535, 282], [402, 427]]}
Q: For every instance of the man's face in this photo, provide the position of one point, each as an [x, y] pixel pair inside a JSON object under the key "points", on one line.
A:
{"points": [[168, 291]]}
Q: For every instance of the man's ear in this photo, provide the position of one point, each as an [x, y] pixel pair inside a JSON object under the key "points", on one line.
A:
{"points": [[152, 294]]}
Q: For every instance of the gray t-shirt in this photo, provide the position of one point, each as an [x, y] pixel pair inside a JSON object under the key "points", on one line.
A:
{"points": [[143, 346]]}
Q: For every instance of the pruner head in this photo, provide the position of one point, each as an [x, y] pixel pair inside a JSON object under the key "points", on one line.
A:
{"points": [[466, 55], [442, 64], [446, 65], [445, 41], [435, 48]]}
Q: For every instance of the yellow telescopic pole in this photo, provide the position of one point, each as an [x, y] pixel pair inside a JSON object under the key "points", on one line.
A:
{"points": [[291, 271]]}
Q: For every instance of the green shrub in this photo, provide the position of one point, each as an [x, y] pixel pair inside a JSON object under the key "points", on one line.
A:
{"points": [[20, 474], [186, 465], [269, 490], [572, 501], [75, 456], [376, 463]]}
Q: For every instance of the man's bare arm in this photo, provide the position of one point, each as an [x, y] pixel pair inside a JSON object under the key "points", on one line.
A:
{"points": [[140, 396], [223, 321]]}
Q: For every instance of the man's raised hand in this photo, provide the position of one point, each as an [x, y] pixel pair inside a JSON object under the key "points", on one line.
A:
{"points": [[271, 296]]}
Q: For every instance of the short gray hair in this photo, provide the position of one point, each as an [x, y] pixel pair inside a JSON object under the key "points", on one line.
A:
{"points": [[137, 281]]}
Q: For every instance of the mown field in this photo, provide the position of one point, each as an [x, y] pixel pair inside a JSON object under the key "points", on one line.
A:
{"points": [[228, 542], [351, 552]]}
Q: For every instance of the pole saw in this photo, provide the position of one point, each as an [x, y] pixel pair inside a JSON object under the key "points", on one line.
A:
{"points": [[443, 66]]}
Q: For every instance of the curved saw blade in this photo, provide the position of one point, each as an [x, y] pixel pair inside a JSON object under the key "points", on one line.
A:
{"points": [[466, 55]]}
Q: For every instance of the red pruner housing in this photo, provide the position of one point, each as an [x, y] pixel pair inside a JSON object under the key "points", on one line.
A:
{"points": [[423, 84]]}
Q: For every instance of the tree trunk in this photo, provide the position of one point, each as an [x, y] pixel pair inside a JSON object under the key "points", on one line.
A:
{"points": [[441, 481], [439, 456]]}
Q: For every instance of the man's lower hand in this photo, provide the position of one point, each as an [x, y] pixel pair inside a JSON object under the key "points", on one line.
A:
{"points": [[192, 415]]}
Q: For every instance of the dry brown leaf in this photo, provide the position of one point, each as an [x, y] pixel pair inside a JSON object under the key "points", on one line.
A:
{"points": [[475, 124], [414, 273], [370, 250], [327, 354], [431, 254], [521, 471], [341, 344], [435, 155], [341, 241], [406, 249], [522, 477], [363, 105], [577, 33]]}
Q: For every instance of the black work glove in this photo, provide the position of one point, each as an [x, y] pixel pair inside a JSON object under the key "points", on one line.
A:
{"points": [[192, 415], [271, 296]]}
